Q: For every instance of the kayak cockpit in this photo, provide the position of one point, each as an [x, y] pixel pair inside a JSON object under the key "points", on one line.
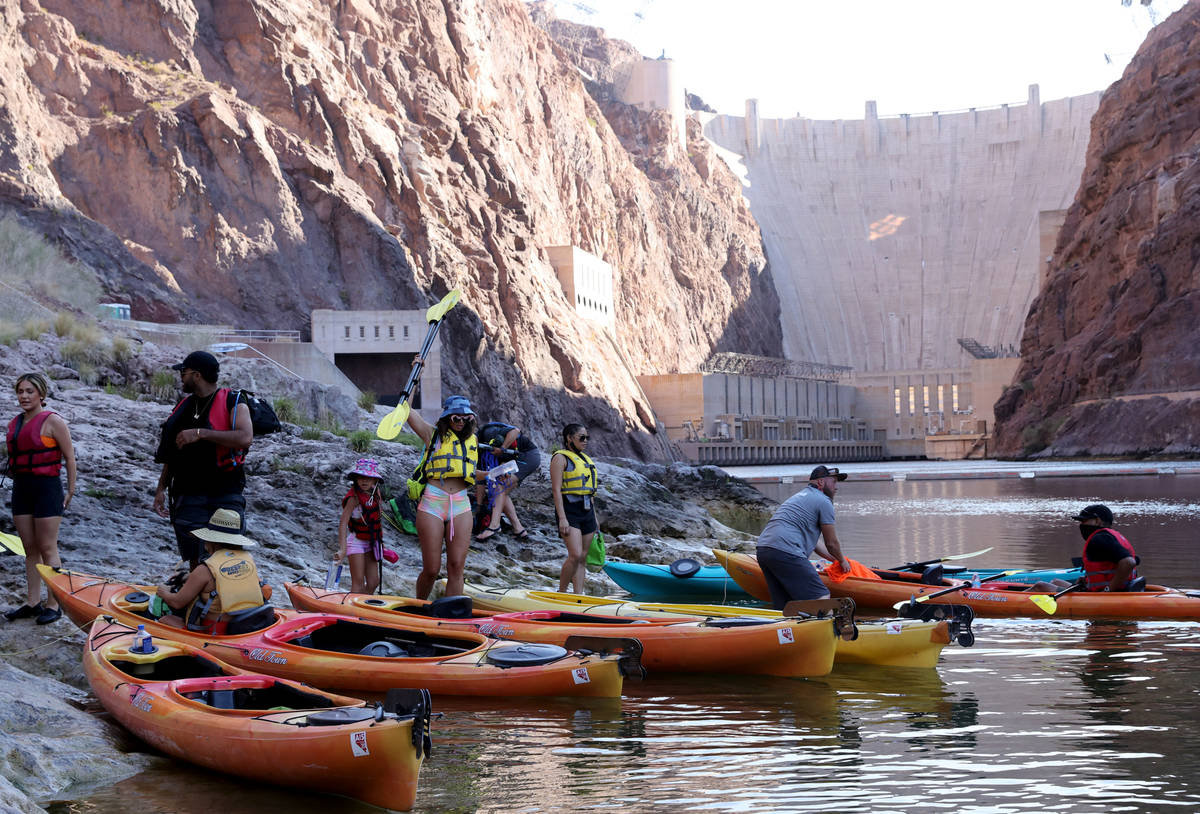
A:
{"points": [[345, 636]]}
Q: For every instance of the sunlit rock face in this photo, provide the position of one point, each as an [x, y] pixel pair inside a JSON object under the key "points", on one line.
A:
{"points": [[247, 161], [1111, 357]]}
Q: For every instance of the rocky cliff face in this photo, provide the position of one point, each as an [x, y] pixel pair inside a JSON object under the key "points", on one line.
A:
{"points": [[246, 161], [1111, 362]]}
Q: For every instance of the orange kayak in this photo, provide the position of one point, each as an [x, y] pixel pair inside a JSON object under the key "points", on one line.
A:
{"points": [[351, 654], [192, 706], [999, 599], [781, 647]]}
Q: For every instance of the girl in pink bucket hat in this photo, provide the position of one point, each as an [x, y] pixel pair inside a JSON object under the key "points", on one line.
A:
{"points": [[360, 530]]}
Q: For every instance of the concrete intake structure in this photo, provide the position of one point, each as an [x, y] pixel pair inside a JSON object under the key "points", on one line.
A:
{"points": [[891, 238]]}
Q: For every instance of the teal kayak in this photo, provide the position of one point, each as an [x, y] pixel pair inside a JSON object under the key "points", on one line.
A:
{"points": [[653, 581], [1028, 577]]}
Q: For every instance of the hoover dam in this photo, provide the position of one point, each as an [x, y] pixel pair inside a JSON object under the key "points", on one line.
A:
{"points": [[908, 247]]}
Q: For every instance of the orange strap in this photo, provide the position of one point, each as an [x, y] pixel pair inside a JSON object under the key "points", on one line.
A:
{"points": [[857, 569]]}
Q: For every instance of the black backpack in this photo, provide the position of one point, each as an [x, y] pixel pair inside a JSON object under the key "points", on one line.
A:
{"points": [[262, 414]]}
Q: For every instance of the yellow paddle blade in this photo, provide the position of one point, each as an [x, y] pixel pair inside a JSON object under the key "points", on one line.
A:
{"points": [[1044, 602], [393, 422], [13, 543], [438, 310]]}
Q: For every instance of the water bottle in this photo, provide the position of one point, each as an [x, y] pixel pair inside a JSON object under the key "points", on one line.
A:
{"points": [[333, 575], [506, 468], [975, 582], [141, 641]]}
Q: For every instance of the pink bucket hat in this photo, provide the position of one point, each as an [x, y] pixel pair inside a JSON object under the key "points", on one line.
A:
{"points": [[367, 467]]}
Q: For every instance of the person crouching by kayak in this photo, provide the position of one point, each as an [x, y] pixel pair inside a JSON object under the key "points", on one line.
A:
{"points": [[222, 589], [360, 530], [1109, 561], [507, 443], [804, 523], [444, 511], [573, 484]]}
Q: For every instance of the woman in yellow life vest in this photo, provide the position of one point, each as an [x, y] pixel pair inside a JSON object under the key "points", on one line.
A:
{"points": [[444, 512], [222, 586], [573, 483]]}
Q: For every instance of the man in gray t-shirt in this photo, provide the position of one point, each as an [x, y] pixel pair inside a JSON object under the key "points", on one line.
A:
{"points": [[802, 525]]}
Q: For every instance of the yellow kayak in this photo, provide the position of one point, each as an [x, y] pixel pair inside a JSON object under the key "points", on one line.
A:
{"points": [[892, 643]]}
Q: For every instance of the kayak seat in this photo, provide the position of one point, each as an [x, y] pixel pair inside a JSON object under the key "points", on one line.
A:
{"points": [[221, 699], [933, 575], [249, 620], [383, 649], [451, 607]]}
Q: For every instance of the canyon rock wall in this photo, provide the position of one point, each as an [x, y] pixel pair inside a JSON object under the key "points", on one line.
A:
{"points": [[247, 161], [1110, 357]]}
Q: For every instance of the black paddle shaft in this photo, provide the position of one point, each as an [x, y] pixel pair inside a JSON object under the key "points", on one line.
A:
{"points": [[420, 363]]}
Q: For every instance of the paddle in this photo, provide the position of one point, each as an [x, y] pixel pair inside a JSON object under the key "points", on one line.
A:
{"points": [[926, 597], [13, 543], [1047, 603], [912, 566], [390, 427]]}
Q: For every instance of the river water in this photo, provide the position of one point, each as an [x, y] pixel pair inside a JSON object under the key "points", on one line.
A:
{"points": [[1040, 715]]}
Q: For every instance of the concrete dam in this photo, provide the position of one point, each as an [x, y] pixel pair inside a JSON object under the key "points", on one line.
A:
{"points": [[891, 238]]}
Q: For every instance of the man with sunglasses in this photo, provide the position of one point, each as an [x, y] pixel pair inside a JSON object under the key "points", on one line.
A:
{"points": [[804, 523]]}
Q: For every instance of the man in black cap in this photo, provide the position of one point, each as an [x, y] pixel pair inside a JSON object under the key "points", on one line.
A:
{"points": [[804, 523], [1109, 561], [202, 447]]}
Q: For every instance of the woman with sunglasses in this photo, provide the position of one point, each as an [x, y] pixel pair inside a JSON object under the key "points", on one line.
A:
{"points": [[573, 484], [444, 511]]}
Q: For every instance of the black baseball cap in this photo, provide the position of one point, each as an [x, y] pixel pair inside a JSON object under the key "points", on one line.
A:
{"points": [[1097, 511], [827, 472], [203, 363]]}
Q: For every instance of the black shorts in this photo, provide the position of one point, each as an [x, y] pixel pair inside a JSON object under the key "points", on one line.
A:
{"points": [[528, 463], [191, 512], [39, 495], [579, 517]]}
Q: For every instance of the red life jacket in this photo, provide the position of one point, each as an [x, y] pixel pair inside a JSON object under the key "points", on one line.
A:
{"points": [[369, 527], [1098, 573], [27, 453], [227, 459]]}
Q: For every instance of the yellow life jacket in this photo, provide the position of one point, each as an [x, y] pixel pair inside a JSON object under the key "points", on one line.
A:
{"points": [[453, 458], [237, 587], [583, 481]]}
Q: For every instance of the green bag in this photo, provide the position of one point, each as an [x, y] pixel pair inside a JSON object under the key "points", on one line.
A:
{"points": [[416, 484], [596, 553]]}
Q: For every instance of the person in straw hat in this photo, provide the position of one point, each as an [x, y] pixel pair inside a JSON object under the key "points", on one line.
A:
{"points": [[222, 587]]}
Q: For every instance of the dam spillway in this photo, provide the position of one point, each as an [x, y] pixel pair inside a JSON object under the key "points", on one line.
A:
{"points": [[891, 238]]}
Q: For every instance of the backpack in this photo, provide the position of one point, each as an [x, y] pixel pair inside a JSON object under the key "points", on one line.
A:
{"points": [[262, 414]]}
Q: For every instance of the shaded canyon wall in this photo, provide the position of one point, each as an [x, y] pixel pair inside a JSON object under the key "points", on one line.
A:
{"points": [[247, 161]]}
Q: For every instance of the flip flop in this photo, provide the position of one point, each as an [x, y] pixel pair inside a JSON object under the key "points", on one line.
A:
{"points": [[487, 534], [523, 534]]}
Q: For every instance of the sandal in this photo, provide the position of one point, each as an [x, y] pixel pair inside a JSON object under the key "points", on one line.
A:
{"points": [[487, 534], [523, 534]]}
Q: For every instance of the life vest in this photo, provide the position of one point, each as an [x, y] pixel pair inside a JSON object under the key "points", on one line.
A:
{"points": [[368, 525], [1098, 573], [583, 481], [453, 458], [227, 459], [28, 454], [236, 588]]}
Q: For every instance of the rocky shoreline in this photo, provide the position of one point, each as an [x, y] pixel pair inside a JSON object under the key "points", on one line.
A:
{"points": [[57, 745]]}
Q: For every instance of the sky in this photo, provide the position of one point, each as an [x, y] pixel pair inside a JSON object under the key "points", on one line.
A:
{"points": [[824, 60]]}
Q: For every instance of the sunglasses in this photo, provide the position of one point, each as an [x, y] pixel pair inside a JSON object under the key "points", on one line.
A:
{"points": [[459, 417], [582, 437]]}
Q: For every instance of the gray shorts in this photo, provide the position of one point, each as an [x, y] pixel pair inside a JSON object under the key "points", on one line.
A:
{"points": [[789, 576]]}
